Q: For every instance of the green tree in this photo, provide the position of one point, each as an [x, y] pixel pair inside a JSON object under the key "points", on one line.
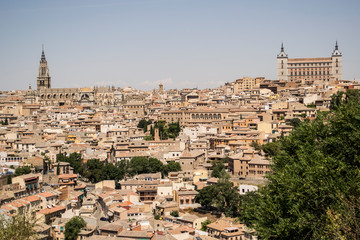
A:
{"points": [[143, 124], [152, 132], [123, 168], [148, 137], [271, 148], [204, 224], [295, 122], [162, 130], [315, 179], [223, 195], [74, 159], [58, 169], [174, 213], [18, 227], [225, 159], [22, 170], [227, 198], [73, 227], [9, 180], [311, 105], [94, 170], [111, 172], [255, 145], [219, 170], [171, 167], [155, 165], [173, 130], [206, 196], [139, 165]]}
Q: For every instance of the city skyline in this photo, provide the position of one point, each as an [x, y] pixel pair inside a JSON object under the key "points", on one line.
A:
{"points": [[180, 44]]}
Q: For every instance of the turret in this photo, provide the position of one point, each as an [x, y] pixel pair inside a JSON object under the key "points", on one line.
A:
{"points": [[282, 60], [336, 63]]}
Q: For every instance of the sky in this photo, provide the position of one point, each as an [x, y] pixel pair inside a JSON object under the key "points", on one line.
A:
{"points": [[179, 43]]}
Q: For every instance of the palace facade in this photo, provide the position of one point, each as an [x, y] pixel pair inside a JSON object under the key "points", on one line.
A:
{"points": [[325, 69]]}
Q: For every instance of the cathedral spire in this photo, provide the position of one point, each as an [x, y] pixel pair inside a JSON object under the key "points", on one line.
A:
{"points": [[282, 47], [43, 54], [43, 79], [336, 46]]}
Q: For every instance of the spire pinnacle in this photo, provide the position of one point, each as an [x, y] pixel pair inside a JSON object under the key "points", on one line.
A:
{"points": [[336, 46], [282, 46], [43, 53]]}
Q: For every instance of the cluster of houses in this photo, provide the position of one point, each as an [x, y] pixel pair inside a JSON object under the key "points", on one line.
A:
{"points": [[216, 124]]}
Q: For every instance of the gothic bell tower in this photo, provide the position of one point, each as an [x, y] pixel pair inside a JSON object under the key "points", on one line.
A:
{"points": [[43, 79]]}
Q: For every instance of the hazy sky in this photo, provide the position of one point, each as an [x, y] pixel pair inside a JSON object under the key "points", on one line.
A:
{"points": [[181, 43]]}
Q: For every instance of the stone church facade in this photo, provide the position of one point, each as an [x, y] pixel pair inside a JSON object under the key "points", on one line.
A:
{"points": [[48, 96]]}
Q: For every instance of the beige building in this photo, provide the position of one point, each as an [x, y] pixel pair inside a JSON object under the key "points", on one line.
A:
{"points": [[323, 69], [246, 83]]}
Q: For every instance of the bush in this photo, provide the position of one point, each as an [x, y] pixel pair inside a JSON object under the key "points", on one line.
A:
{"points": [[175, 213]]}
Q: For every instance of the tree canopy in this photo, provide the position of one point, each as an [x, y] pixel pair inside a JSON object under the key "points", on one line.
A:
{"points": [[74, 159], [73, 227], [144, 124], [171, 167], [315, 179], [219, 170], [223, 195], [170, 130], [95, 170], [22, 170], [18, 227]]}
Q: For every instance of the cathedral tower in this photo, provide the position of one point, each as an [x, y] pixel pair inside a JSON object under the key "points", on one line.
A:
{"points": [[282, 65], [43, 79]]}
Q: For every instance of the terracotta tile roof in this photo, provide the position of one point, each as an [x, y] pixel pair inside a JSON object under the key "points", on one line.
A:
{"points": [[222, 224], [23, 202], [51, 210], [65, 176], [6, 207], [16, 204], [33, 198], [46, 194], [126, 203]]}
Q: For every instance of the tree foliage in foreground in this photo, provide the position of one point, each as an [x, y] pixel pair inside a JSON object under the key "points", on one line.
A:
{"points": [[17, 227], [314, 190], [73, 227]]}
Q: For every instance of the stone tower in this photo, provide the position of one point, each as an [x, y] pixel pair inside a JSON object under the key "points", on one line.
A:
{"points": [[43, 79], [282, 60], [336, 62]]}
